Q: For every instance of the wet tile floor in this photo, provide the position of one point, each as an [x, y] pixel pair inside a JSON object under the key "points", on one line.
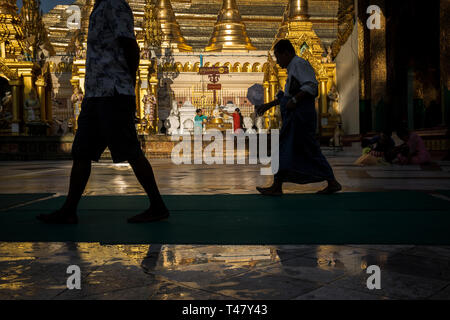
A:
{"points": [[163, 272]]}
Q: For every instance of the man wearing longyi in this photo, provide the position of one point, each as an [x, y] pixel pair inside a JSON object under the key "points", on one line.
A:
{"points": [[301, 160], [108, 109]]}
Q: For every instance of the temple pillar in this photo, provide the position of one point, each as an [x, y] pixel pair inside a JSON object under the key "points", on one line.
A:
{"points": [[16, 105], [49, 105], [27, 83], [445, 60], [269, 116], [40, 84], [323, 102], [282, 78], [365, 111], [266, 87], [378, 67]]}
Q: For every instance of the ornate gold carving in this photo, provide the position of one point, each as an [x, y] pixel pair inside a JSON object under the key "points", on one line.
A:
{"points": [[346, 22], [9, 73]]}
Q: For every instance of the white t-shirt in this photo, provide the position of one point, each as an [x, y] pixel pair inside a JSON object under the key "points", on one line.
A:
{"points": [[304, 73]]}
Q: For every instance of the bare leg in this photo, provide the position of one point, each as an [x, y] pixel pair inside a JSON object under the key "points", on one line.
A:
{"points": [[144, 173], [81, 170]]}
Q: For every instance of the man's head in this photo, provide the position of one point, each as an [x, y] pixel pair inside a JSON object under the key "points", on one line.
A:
{"points": [[284, 52], [199, 112]]}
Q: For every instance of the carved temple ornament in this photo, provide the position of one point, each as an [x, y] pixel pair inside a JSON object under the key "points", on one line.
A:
{"points": [[6, 71]]}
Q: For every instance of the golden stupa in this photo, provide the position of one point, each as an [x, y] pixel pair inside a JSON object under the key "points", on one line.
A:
{"points": [[283, 26], [229, 33], [300, 30], [171, 33]]}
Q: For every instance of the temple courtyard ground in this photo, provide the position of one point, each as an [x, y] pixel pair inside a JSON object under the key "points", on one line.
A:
{"points": [[38, 270]]}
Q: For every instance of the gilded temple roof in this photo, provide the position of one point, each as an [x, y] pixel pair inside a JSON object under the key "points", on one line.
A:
{"points": [[197, 18]]}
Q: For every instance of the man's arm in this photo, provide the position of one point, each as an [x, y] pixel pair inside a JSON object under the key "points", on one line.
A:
{"points": [[131, 52], [261, 108]]}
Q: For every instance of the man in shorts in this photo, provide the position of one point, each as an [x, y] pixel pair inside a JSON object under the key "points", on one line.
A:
{"points": [[107, 111]]}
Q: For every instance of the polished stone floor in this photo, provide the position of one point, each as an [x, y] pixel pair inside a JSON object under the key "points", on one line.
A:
{"points": [[158, 271]]}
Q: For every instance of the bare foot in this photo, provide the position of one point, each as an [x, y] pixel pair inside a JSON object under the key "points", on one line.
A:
{"points": [[332, 187], [59, 217], [270, 191], [152, 214]]}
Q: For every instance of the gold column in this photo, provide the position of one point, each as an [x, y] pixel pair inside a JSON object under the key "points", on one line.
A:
{"points": [[323, 96], [27, 82], [273, 86], [40, 84], [269, 116], [16, 104], [378, 66], [266, 86], [49, 105], [282, 77]]}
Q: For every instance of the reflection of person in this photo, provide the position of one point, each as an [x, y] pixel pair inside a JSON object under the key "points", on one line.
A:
{"points": [[413, 151], [107, 114], [237, 118], [199, 121], [301, 160]]}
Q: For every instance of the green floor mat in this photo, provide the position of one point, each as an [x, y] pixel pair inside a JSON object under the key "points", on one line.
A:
{"points": [[9, 200], [348, 218]]}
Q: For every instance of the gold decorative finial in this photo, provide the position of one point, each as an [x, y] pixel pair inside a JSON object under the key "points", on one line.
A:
{"points": [[229, 33], [284, 25], [298, 10], [171, 33]]}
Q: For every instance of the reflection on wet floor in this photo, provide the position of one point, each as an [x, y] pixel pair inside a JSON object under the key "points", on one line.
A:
{"points": [[39, 270]]}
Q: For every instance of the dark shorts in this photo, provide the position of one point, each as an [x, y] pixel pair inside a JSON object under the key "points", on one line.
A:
{"points": [[107, 122]]}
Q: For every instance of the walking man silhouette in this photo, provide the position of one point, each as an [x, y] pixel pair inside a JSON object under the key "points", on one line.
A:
{"points": [[107, 111]]}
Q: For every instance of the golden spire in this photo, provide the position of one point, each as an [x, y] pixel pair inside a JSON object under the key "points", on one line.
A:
{"points": [[171, 33], [284, 25], [298, 10], [229, 31]]}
